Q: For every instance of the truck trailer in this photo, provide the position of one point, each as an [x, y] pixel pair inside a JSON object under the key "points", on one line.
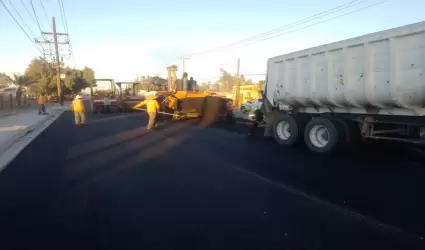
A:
{"points": [[333, 96]]}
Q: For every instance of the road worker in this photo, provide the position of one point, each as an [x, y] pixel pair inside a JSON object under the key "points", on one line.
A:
{"points": [[152, 107], [42, 99], [79, 110]]}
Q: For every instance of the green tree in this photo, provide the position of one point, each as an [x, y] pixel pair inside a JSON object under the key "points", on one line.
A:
{"points": [[5, 80], [43, 75]]}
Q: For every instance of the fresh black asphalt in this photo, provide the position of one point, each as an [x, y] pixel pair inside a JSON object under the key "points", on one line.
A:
{"points": [[111, 185]]}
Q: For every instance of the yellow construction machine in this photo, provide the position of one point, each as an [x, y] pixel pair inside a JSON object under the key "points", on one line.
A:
{"points": [[181, 105]]}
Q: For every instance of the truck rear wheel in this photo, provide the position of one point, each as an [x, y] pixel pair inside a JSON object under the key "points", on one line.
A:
{"points": [[287, 130], [323, 135], [350, 133]]}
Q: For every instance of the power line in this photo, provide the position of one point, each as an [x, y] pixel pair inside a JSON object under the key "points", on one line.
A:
{"points": [[29, 13], [294, 24], [305, 20], [36, 17], [45, 13], [324, 21], [16, 21], [65, 23], [23, 21], [62, 9], [48, 21]]}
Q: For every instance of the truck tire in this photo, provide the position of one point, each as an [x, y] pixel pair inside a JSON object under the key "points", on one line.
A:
{"points": [[325, 135], [350, 133], [287, 130]]}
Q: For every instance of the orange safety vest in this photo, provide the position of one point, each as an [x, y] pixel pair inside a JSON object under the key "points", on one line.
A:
{"points": [[78, 105], [41, 100]]}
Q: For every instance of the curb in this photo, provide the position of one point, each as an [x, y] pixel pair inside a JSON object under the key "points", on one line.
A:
{"points": [[11, 149], [18, 111]]}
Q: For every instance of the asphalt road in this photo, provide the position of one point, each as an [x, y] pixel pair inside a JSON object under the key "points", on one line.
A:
{"points": [[111, 185]]}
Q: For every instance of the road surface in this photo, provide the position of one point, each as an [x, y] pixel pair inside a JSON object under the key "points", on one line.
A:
{"points": [[111, 185]]}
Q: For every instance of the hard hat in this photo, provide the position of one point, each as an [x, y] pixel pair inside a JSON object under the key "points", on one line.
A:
{"points": [[78, 97]]}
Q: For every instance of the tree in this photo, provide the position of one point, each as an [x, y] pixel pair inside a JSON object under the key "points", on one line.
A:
{"points": [[88, 75], [204, 86], [5, 81], [227, 81], [261, 84], [43, 75], [21, 81]]}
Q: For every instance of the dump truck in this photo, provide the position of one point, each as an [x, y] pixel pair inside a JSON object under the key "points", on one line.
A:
{"points": [[333, 96]]}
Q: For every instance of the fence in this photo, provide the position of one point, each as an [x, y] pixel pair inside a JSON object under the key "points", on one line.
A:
{"points": [[9, 104]]}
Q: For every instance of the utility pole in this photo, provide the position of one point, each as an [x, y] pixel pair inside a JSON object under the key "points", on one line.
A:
{"points": [[57, 61], [183, 62], [237, 82]]}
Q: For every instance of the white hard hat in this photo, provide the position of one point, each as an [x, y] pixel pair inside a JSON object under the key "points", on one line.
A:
{"points": [[78, 97]]}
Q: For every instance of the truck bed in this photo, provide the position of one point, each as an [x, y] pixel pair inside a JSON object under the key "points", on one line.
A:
{"points": [[380, 73]]}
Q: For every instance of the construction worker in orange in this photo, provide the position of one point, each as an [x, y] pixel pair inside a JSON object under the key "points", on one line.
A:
{"points": [[79, 110], [42, 99], [152, 107]]}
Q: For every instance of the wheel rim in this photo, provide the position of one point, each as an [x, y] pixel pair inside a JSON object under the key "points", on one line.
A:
{"points": [[319, 136], [283, 130]]}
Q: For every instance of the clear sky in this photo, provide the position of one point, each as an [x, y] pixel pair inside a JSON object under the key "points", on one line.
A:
{"points": [[120, 39]]}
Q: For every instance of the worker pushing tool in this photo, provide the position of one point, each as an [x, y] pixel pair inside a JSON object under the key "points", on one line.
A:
{"points": [[152, 107]]}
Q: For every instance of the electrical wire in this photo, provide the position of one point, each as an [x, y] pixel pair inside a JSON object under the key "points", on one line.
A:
{"points": [[29, 13], [65, 23], [45, 13], [23, 21], [51, 27], [36, 17], [324, 21], [16, 21], [316, 16], [294, 24], [345, 14], [62, 9], [305, 20]]}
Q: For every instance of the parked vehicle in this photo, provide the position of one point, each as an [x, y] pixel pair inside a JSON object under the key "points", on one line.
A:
{"points": [[334, 95], [251, 105]]}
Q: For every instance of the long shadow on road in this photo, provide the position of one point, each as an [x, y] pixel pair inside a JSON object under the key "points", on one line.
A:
{"points": [[112, 186], [382, 180]]}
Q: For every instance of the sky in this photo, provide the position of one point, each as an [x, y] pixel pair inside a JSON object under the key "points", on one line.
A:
{"points": [[126, 38]]}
